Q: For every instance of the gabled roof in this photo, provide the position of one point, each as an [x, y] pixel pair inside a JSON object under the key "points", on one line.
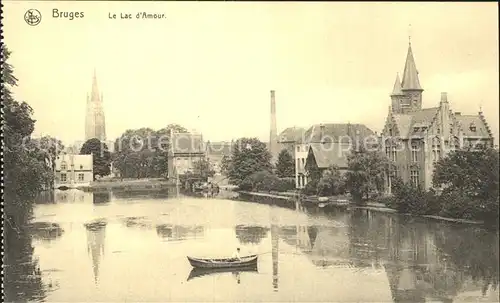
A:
{"points": [[410, 74], [292, 134], [467, 120], [187, 143], [418, 118], [339, 132], [327, 154]]}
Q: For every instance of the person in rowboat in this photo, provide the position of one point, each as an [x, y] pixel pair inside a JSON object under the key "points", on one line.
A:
{"points": [[236, 254]]}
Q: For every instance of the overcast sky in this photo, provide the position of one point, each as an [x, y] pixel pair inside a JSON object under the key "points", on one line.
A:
{"points": [[210, 66]]}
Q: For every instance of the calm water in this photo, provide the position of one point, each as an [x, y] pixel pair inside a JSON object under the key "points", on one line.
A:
{"points": [[138, 254]]}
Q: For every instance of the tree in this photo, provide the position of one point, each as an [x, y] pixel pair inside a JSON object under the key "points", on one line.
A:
{"points": [[365, 173], [101, 161], [203, 168], [249, 155], [143, 152], [331, 183], [51, 147], [470, 182], [25, 173], [285, 167], [225, 163]]}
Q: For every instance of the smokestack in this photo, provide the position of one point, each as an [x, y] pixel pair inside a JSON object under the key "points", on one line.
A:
{"points": [[273, 133]]}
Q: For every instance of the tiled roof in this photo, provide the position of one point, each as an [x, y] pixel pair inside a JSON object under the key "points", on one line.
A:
{"points": [[465, 123], [417, 118], [396, 91], [337, 132], [410, 74], [327, 154], [187, 143], [292, 134]]}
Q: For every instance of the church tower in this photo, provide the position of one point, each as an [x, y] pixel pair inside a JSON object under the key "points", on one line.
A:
{"points": [[95, 124], [407, 95]]}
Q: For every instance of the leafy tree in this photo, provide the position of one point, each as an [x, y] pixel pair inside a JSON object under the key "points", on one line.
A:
{"points": [[331, 183], [470, 183], [411, 199], [143, 152], [225, 163], [51, 147], [365, 173], [101, 162], [473, 173], [285, 167], [25, 172], [249, 155], [203, 168]]}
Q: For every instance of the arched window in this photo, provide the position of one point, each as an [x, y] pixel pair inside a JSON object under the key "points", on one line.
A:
{"points": [[436, 149]]}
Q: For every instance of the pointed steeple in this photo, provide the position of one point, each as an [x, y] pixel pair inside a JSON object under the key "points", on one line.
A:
{"points": [[94, 96], [396, 91], [410, 74]]}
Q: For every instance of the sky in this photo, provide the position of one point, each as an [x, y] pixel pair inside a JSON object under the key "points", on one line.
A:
{"points": [[210, 66]]}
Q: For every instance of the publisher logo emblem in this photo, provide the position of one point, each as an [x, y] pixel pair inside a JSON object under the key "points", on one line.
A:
{"points": [[33, 17]]}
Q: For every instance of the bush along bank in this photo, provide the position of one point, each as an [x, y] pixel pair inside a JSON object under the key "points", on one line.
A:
{"points": [[408, 199]]}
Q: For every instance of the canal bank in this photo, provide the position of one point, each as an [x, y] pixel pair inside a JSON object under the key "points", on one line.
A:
{"points": [[290, 199], [129, 184]]}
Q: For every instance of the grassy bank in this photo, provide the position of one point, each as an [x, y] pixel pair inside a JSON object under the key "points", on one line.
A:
{"points": [[374, 206]]}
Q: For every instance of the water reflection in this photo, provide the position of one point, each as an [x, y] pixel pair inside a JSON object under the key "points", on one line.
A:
{"points": [[250, 234], [101, 197], [171, 232], [344, 256], [22, 274], [201, 272], [96, 236], [138, 222], [46, 231], [145, 193]]}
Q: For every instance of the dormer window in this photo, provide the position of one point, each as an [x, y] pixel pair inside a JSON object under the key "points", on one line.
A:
{"points": [[472, 127], [81, 166], [424, 128], [63, 166], [415, 129]]}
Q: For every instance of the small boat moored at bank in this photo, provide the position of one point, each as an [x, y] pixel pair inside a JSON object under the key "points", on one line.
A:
{"points": [[223, 263]]}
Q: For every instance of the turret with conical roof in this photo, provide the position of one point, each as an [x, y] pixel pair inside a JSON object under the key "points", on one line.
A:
{"points": [[397, 94], [407, 94]]}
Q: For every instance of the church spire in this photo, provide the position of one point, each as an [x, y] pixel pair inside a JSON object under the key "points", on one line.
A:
{"points": [[94, 96], [396, 91], [410, 74]]}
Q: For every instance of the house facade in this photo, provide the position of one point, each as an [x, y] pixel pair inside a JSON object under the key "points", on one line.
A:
{"points": [[216, 151], [73, 170], [185, 150], [329, 144], [414, 138]]}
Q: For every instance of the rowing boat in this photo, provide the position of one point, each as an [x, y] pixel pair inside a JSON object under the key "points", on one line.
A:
{"points": [[200, 272], [223, 263]]}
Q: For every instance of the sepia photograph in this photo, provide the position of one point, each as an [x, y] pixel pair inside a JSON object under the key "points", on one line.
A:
{"points": [[170, 151]]}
